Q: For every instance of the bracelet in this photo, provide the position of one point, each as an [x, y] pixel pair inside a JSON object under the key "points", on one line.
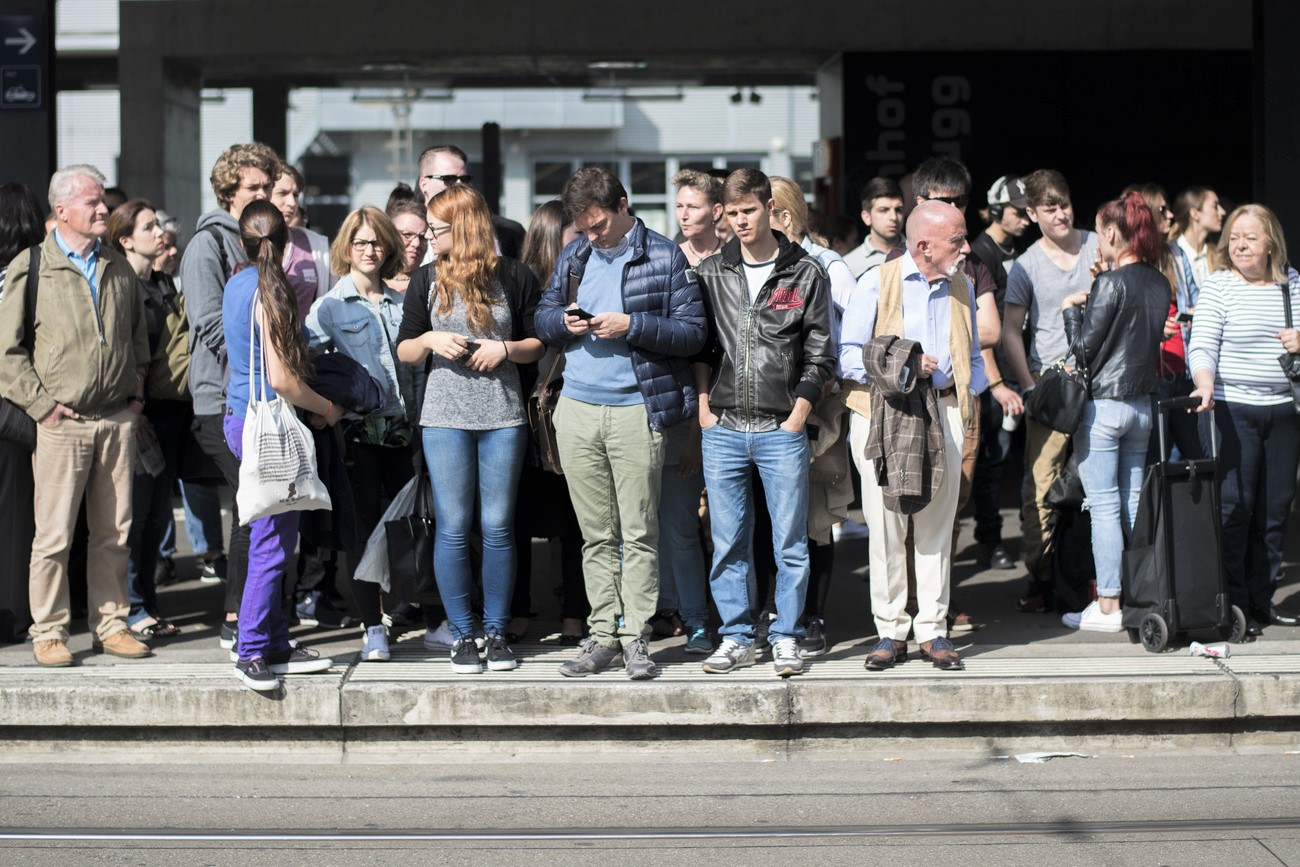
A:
{"points": [[507, 350], [994, 385]]}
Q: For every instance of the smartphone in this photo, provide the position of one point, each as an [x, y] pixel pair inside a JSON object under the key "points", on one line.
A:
{"points": [[1185, 318], [471, 347], [580, 313]]}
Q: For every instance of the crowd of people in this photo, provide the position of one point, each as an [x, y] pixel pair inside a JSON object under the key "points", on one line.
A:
{"points": [[722, 393]]}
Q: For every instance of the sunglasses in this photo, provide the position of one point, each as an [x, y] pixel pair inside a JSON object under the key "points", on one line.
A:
{"points": [[955, 201], [450, 180]]}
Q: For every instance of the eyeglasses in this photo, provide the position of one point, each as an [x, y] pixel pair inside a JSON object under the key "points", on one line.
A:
{"points": [[360, 246], [435, 231], [408, 237], [450, 180], [1165, 210], [955, 201]]}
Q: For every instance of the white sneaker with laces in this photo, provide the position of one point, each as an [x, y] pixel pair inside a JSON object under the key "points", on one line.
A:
{"points": [[1091, 619], [440, 638]]}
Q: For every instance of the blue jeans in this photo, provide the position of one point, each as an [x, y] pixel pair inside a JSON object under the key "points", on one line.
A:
{"points": [[468, 467], [682, 579], [782, 461], [1111, 446], [202, 504]]}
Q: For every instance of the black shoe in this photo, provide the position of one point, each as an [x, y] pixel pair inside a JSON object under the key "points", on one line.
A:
{"points": [[464, 657], [164, 572], [499, 655], [1278, 617], [297, 660], [255, 674], [404, 614], [813, 642], [998, 558], [665, 624], [761, 628]]}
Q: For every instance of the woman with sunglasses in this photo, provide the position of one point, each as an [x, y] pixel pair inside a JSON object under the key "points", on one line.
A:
{"points": [[469, 316], [360, 317]]}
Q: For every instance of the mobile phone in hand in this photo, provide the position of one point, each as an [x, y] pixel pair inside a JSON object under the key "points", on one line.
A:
{"points": [[1185, 318], [471, 347], [580, 313]]}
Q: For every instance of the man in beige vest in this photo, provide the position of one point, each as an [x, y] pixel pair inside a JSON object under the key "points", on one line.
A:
{"points": [[925, 297]]}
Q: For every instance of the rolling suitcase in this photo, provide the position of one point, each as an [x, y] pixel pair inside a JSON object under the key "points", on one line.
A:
{"points": [[1173, 577]]}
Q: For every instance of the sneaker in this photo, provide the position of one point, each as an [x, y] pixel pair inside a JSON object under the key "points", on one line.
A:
{"points": [[256, 674], [1091, 619], [297, 660], [731, 654], [440, 638], [636, 658], [464, 657], [996, 557], [813, 642], [213, 571], [592, 657], [229, 632], [375, 647], [699, 642], [315, 609], [765, 621], [785, 657], [499, 655]]}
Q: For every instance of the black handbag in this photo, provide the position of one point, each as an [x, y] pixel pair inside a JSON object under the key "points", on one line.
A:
{"points": [[410, 548], [544, 398], [16, 426], [1058, 399], [1290, 361]]}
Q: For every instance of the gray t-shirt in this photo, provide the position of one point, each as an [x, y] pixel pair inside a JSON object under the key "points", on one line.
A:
{"points": [[1036, 284], [462, 398]]}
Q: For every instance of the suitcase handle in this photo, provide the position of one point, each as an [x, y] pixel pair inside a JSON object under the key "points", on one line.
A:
{"points": [[1164, 407]]}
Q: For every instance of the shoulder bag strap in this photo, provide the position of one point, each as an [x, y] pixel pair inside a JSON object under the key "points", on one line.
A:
{"points": [[29, 297], [1286, 303]]}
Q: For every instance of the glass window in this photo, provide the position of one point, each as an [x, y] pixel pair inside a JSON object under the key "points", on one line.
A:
{"points": [[732, 165], [649, 178], [549, 177], [705, 166], [803, 173], [612, 168]]}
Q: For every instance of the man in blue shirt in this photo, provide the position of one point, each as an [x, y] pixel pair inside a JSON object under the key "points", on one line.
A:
{"points": [[931, 289]]}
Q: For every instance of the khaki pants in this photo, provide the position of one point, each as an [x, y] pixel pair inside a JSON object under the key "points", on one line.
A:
{"points": [[1044, 460], [95, 457], [613, 463], [932, 535]]}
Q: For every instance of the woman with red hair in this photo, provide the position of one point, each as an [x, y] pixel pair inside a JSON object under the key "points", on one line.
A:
{"points": [[1115, 330]]}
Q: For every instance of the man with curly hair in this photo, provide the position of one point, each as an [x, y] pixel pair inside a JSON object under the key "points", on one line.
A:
{"points": [[243, 173]]}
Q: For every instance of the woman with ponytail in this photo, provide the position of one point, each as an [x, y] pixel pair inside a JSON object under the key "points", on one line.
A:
{"points": [[468, 316], [261, 306], [1115, 330]]}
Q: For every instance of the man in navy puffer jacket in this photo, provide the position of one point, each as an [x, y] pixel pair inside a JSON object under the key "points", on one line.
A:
{"points": [[638, 320]]}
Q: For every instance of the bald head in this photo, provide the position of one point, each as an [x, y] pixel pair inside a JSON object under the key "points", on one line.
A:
{"points": [[936, 238]]}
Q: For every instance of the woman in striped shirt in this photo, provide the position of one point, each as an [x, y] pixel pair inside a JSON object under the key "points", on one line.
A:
{"points": [[1237, 334]]}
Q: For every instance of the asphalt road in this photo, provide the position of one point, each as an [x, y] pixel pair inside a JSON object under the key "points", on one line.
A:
{"points": [[1170, 808]]}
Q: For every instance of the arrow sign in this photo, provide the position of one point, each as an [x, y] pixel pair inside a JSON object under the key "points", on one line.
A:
{"points": [[25, 39]]}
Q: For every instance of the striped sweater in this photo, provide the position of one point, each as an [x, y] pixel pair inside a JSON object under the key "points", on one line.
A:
{"points": [[1233, 334]]}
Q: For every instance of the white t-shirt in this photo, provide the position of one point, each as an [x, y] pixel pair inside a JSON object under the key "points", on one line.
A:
{"points": [[757, 276]]}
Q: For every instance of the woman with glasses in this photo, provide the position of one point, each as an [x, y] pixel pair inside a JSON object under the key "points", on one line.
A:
{"points": [[1171, 364], [1114, 330], [412, 228], [1198, 220], [1237, 335], [360, 317], [469, 315]]}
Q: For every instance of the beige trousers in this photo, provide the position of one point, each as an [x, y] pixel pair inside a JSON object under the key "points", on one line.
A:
{"points": [[95, 457]]}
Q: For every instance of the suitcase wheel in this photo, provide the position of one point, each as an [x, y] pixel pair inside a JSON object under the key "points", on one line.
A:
{"points": [[1236, 630], [1154, 633]]}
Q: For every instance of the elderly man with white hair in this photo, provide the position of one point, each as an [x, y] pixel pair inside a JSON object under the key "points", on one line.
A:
{"points": [[76, 364], [907, 430]]}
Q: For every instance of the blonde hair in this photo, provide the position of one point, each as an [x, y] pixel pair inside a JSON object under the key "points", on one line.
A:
{"points": [[1277, 261], [702, 182], [394, 256], [470, 268], [788, 196]]}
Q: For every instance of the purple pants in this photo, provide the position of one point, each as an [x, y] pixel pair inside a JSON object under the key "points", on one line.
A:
{"points": [[263, 628]]}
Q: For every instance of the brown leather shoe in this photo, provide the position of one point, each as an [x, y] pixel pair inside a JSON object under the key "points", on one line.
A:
{"points": [[52, 652], [885, 654], [941, 652], [121, 644]]}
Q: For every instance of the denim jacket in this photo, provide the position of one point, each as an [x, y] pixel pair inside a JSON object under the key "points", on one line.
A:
{"points": [[341, 319]]}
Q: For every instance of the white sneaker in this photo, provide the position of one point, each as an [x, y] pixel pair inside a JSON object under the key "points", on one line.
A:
{"points": [[375, 648], [440, 638], [730, 655], [785, 657], [1091, 619]]}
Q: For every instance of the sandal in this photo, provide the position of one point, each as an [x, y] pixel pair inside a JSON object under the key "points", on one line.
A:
{"points": [[161, 628]]}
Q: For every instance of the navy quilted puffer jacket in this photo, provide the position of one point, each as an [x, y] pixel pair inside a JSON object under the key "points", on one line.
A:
{"points": [[662, 298]]}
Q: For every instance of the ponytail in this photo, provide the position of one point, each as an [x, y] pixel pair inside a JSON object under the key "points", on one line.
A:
{"points": [[264, 236], [1137, 226]]}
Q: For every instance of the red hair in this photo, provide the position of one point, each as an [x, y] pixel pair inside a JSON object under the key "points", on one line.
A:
{"points": [[1137, 226]]}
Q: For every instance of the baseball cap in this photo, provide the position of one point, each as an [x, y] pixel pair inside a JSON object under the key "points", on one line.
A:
{"points": [[1008, 190]]}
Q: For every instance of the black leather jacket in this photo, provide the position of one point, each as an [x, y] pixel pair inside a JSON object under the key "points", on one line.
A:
{"points": [[763, 356], [1117, 333]]}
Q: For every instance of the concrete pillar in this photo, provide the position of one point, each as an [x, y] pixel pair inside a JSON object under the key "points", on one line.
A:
{"points": [[1277, 122], [270, 115], [160, 134]]}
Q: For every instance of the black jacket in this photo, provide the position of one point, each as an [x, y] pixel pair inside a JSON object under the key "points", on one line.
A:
{"points": [[1116, 335], [763, 356]]}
